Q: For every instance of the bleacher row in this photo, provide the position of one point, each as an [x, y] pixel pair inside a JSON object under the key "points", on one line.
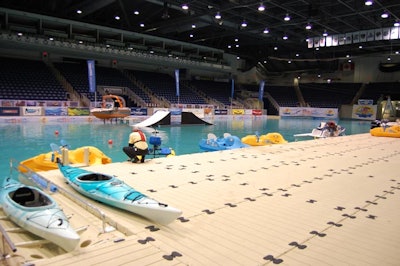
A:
{"points": [[34, 80], [329, 95]]}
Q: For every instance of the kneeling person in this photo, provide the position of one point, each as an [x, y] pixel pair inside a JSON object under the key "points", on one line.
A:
{"points": [[137, 145]]}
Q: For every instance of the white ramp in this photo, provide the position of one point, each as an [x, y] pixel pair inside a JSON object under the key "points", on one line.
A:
{"points": [[154, 119]]}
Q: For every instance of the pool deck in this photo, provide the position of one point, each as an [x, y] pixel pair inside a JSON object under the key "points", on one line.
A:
{"points": [[331, 201]]}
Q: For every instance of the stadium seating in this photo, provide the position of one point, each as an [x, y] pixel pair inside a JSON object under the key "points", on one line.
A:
{"points": [[29, 80], [328, 95]]}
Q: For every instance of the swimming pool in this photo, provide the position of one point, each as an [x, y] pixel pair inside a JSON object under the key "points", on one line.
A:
{"points": [[20, 141]]}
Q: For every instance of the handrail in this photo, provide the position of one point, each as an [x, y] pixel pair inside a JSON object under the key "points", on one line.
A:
{"points": [[7, 239]]}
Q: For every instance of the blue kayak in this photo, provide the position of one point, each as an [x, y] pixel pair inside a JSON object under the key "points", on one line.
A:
{"points": [[114, 192]]}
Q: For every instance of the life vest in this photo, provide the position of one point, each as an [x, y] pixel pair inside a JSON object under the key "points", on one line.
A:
{"points": [[142, 136]]}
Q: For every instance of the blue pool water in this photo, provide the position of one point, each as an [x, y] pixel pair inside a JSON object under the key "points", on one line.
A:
{"points": [[20, 141]]}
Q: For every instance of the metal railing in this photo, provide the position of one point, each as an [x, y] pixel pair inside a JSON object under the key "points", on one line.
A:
{"points": [[7, 246]]}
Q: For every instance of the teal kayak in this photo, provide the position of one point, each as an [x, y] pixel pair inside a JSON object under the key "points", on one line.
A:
{"points": [[114, 192]]}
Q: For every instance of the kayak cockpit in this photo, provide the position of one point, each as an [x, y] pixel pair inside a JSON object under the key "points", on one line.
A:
{"points": [[95, 177], [28, 197]]}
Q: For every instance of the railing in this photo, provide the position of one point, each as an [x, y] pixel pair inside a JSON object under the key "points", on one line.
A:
{"points": [[6, 244], [83, 100]]}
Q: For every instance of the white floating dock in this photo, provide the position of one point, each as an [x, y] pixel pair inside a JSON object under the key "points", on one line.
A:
{"points": [[332, 201]]}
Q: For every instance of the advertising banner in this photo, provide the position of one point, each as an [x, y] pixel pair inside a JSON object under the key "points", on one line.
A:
{"points": [[55, 111], [221, 112], [232, 87], [32, 111], [261, 90], [238, 111], [139, 111], [364, 112], [91, 75], [9, 111], [76, 111], [308, 112], [177, 81], [257, 112], [365, 101]]}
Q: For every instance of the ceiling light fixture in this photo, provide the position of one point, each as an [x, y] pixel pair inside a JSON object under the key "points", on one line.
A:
{"points": [[117, 17], [308, 26], [285, 37], [266, 30], [325, 33], [287, 17], [79, 11], [261, 7], [218, 15], [244, 24], [369, 2], [185, 7], [385, 14], [396, 24]]}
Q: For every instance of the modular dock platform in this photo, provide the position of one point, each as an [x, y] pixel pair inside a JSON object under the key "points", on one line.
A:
{"points": [[332, 201]]}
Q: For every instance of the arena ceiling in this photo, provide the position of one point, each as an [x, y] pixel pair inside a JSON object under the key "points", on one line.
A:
{"points": [[348, 24]]}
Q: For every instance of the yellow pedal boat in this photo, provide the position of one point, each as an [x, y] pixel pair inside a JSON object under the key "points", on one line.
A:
{"points": [[262, 140], [392, 131], [46, 161]]}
